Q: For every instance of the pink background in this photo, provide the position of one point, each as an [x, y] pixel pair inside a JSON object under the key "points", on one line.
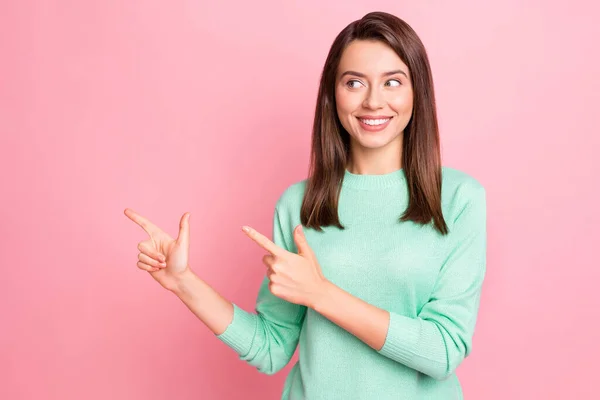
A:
{"points": [[168, 107]]}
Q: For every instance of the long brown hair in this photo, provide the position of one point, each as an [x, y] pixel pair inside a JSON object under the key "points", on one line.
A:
{"points": [[421, 160]]}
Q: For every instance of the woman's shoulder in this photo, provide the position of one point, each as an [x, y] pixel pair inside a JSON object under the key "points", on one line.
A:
{"points": [[460, 187], [292, 196]]}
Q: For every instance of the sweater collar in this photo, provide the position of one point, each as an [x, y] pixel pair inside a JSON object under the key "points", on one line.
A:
{"points": [[374, 181]]}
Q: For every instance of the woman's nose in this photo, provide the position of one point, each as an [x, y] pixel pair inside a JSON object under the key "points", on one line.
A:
{"points": [[374, 99]]}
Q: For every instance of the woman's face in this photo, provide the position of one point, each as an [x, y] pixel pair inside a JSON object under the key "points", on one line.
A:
{"points": [[374, 95]]}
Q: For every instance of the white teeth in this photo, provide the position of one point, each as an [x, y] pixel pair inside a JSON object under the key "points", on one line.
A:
{"points": [[375, 121]]}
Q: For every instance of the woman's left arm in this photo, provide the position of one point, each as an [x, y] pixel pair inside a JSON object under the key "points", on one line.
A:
{"points": [[437, 341], [439, 338]]}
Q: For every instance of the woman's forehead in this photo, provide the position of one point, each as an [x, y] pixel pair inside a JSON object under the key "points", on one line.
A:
{"points": [[370, 58]]}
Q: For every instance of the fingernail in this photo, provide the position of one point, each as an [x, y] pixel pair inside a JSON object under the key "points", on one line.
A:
{"points": [[245, 229], [163, 264]]}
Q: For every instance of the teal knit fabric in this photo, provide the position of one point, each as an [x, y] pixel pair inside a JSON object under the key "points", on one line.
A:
{"points": [[429, 283]]}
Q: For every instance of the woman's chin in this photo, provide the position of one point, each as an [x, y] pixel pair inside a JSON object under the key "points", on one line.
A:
{"points": [[374, 140], [372, 144]]}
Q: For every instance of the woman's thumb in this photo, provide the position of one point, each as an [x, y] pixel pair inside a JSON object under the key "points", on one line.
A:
{"points": [[184, 230]]}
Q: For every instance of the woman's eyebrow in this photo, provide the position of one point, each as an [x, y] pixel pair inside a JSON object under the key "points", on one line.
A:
{"points": [[361, 75]]}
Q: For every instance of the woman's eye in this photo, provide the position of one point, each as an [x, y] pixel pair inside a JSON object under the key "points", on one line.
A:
{"points": [[353, 84], [393, 82]]}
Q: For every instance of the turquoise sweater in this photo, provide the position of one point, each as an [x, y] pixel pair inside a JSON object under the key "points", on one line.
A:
{"points": [[429, 283]]}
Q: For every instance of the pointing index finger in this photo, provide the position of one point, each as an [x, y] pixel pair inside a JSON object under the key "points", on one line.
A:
{"points": [[146, 225], [263, 241]]}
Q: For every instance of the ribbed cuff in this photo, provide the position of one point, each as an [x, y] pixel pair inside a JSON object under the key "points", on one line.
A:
{"points": [[240, 332], [401, 339]]}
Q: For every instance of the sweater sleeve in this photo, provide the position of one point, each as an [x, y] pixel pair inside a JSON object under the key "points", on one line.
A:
{"points": [[268, 338], [437, 341]]}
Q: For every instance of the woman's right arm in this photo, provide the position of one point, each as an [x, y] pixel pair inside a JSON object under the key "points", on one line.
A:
{"points": [[215, 311], [266, 339]]}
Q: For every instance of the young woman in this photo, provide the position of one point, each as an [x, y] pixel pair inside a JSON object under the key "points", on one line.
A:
{"points": [[377, 258]]}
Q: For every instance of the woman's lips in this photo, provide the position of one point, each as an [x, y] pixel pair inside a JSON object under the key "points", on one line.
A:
{"points": [[373, 124]]}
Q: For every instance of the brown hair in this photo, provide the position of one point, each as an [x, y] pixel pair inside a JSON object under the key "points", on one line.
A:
{"points": [[421, 160]]}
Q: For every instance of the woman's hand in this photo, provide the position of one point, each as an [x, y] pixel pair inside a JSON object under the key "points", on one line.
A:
{"points": [[165, 258], [296, 278]]}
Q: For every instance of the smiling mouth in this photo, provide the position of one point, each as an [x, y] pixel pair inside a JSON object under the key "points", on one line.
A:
{"points": [[374, 121]]}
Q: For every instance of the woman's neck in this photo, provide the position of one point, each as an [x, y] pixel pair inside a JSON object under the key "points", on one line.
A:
{"points": [[364, 161]]}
